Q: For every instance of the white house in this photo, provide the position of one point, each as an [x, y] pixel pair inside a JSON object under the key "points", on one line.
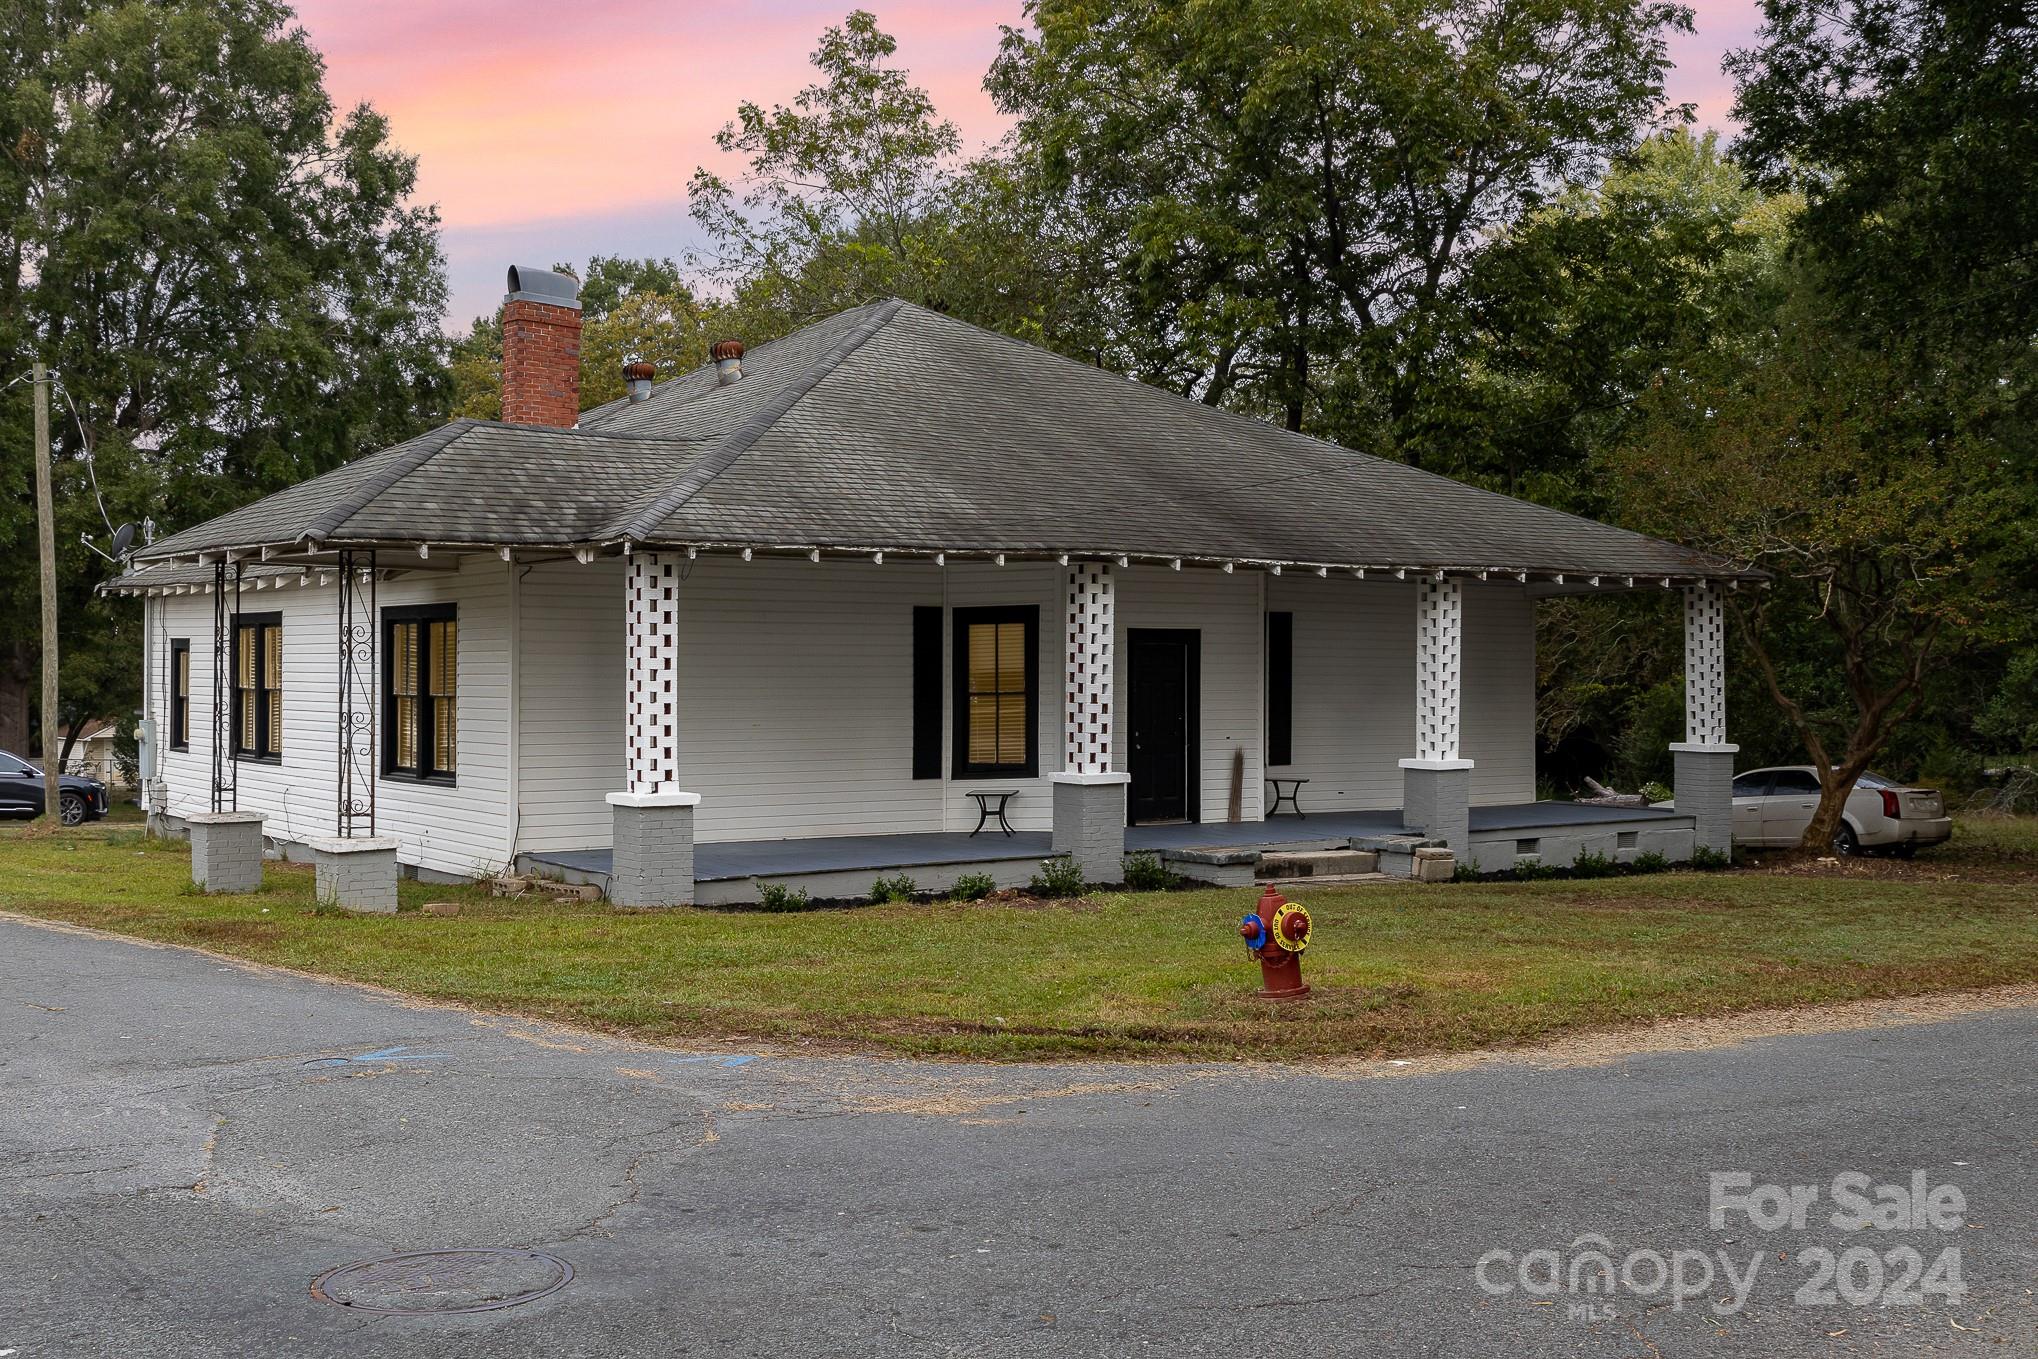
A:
{"points": [[805, 613]]}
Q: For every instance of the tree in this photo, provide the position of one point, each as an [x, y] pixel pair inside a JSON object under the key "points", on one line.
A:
{"points": [[1575, 310], [841, 183], [1912, 128], [610, 280], [668, 330], [630, 309], [228, 274], [1298, 189], [475, 371], [1884, 511]]}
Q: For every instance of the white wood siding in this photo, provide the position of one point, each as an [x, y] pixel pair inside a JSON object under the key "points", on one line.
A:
{"points": [[797, 704], [797, 701], [570, 691], [461, 829], [796, 693], [1354, 698]]}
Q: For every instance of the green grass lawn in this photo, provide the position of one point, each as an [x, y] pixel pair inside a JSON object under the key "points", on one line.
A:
{"points": [[1396, 969]]}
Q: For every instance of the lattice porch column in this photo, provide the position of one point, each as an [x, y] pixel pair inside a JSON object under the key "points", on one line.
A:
{"points": [[1089, 797], [1436, 784], [1705, 665], [651, 849], [360, 736], [1439, 660], [1089, 727], [651, 602], [1704, 760]]}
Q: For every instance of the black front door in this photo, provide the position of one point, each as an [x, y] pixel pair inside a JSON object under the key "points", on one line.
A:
{"points": [[1163, 695]]}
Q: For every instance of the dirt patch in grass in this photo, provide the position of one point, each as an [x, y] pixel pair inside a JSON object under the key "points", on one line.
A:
{"points": [[1703, 1033], [223, 933]]}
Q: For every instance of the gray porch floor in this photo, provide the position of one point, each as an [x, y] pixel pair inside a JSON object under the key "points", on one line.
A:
{"points": [[735, 859]]}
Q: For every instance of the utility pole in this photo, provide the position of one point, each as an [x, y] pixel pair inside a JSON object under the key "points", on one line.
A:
{"points": [[46, 543]]}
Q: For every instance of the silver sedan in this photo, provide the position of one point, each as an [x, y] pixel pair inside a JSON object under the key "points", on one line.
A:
{"points": [[1772, 807]]}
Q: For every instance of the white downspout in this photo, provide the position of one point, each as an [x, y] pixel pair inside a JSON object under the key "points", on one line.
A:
{"points": [[145, 770]]}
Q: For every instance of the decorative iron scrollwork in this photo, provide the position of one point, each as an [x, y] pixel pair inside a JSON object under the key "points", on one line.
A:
{"points": [[356, 735], [226, 613]]}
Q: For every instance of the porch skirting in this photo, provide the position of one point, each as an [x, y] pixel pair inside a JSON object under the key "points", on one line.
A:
{"points": [[730, 872]]}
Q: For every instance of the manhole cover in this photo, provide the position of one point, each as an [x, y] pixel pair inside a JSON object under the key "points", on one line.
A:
{"points": [[478, 1280]]}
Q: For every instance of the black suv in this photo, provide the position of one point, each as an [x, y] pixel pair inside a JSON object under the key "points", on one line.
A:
{"points": [[78, 800]]}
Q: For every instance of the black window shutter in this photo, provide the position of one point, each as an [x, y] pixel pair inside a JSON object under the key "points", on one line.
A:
{"points": [[1280, 688], [927, 692]]}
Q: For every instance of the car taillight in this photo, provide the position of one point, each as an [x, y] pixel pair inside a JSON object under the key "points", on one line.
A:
{"points": [[1890, 807]]}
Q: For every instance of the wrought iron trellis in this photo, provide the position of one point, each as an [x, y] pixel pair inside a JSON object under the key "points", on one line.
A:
{"points": [[226, 617], [357, 695]]}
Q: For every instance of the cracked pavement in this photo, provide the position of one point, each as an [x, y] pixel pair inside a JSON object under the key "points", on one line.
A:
{"points": [[186, 1142]]}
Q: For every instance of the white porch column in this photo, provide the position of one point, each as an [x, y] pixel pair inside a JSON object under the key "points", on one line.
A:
{"points": [[1704, 761], [651, 848], [1436, 785], [1089, 798]]}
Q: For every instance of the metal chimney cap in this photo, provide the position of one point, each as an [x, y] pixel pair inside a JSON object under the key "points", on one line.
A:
{"points": [[637, 370], [726, 349], [527, 283]]}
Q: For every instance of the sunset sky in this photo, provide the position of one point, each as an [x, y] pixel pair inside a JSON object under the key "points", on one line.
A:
{"points": [[542, 140]]}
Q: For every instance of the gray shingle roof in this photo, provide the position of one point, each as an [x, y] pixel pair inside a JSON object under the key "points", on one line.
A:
{"points": [[894, 427]]}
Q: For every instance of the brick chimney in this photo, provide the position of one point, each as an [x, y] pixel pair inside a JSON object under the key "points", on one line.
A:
{"points": [[541, 348]]}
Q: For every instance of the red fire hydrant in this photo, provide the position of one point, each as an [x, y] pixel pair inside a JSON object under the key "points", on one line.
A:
{"points": [[1276, 932]]}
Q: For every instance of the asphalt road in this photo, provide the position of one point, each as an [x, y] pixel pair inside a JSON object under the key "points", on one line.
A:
{"points": [[186, 1144]]}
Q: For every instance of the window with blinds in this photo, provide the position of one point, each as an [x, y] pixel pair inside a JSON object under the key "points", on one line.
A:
{"points": [[996, 692], [421, 666], [258, 687]]}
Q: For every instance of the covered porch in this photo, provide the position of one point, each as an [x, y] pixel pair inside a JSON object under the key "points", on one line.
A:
{"points": [[1450, 810], [1499, 837]]}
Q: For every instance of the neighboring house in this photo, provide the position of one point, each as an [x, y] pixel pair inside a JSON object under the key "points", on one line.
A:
{"points": [[93, 754], [782, 616]]}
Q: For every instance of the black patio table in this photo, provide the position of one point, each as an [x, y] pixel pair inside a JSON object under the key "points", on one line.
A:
{"points": [[1286, 790], [986, 808]]}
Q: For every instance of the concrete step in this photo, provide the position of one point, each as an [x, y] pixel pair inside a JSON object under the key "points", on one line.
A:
{"points": [[1279, 865], [1326, 880]]}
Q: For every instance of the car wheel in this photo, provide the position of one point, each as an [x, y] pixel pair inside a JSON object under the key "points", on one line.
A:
{"points": [[1845, 841], [71, 809]]}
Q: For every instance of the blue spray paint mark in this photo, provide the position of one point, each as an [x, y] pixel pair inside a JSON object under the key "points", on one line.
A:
{"points": [[399, 1053], [714, 1061]]}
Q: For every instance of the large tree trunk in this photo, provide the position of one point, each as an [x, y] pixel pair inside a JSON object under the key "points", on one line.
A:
{"points": [[1878, 709], [1836, 784], [70, 743], [13, 708]]}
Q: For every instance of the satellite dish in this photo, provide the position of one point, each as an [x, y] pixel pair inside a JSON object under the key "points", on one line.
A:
{"points": [[123, 540]]}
